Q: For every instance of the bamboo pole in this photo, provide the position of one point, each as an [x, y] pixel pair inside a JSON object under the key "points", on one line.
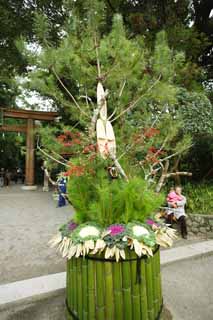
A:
{"points": [[85, 288], [71, 284], [157, 283], [109, 303], [126, 279], [100, 307], [91, 289], [159, 277], [154, 284], [74, 285], [143, 292], [79, 285], [118, 296], [149, 288], [68, 295], [136, 312]]}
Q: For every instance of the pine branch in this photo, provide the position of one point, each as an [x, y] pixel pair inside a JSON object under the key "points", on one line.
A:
{"points": [[51, 157], [118, 166], [68, 92], [97, 58], [134, 103]]}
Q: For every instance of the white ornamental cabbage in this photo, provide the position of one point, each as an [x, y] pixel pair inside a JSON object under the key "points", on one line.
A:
{"points": [[139, 231], [89, 231]]}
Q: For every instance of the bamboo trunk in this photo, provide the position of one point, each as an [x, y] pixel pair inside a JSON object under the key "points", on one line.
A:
{"points": [[79, 285], [126, 278], [143, 292], [91, 289], [100, 315], [74, 284], [109, 303], [85, 288], [68, 288], [118, 296], [136, 312], [149, 289], [159, 278], [155, 286]]}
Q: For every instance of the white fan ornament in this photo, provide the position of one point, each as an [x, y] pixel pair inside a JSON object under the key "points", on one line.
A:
{"points": [[104, 130]]}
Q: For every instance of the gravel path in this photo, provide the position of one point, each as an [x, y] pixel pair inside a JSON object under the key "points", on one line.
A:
{"points": [[28, 219]]}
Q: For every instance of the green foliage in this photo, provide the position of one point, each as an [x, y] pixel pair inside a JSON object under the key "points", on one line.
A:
{"points": [[108, 201], [196, 111], [199, 198]]}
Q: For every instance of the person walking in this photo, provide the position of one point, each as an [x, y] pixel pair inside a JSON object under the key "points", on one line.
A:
{"points": [[7, 178]]}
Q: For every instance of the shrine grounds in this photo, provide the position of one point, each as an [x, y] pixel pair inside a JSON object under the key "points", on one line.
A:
{"points": [[28, 219]]}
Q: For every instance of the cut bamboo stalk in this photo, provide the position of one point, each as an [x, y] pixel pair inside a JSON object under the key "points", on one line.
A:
{"points": [[85, 288], [74, 285], [136, 312], [159, 276], [154, 285], [100, 315], [69, 285], [79, 285], [149, 289], [91, 289], [109, 303], [143, 292], [118, 295], [68, 296], [126, 280]]}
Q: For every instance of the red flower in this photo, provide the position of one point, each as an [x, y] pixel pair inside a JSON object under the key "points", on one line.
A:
{"points": [[151, 132]]}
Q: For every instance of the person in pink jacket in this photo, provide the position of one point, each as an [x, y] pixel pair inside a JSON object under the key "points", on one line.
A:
{"points": [[176, 203]]}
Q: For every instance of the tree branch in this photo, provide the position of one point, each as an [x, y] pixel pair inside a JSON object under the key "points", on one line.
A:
{"points": [[163, 176], [134, 103], [68, 92]]}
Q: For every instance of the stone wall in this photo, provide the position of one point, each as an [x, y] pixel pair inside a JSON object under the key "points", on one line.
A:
{"points": [[200, 224]]}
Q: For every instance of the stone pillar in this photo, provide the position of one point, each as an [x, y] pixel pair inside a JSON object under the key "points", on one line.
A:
{"points": [[46, 182], [30, 158]]}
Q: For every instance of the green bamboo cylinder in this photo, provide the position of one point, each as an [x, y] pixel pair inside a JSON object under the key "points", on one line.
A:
{"points": [[143, 292], [118, 295], [85, 288], [136, 312], [79, 285], [100, 307], [91, 289], [103, 289], [109, 304], [126, 279], [149, 289]]}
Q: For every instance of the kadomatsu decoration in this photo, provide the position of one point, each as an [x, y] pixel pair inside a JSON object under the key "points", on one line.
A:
{"points": [[111, 245]]}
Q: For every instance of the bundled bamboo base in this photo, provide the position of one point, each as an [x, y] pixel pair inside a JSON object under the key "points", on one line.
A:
{"points": [[99, 289]]}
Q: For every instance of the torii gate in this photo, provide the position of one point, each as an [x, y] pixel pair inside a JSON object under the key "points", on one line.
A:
{"points": [[30, 117]]}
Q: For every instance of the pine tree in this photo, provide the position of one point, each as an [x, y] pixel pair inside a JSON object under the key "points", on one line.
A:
{"points": [[140, 82]]}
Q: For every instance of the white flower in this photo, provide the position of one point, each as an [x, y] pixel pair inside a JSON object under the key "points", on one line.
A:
{"points": [[139, 231], [89, 231]]}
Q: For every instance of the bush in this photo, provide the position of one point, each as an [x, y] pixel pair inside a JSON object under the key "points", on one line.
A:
{"points": [[199, 198], [105, 201]]}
